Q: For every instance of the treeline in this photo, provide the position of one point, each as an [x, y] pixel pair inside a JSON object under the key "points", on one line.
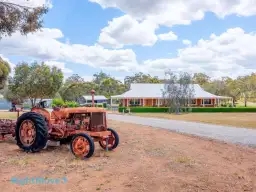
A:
{"points": [[40, 81], [243, 87], [103, 84]]}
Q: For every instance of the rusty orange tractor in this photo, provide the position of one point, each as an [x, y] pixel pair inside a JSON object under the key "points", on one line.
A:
{"points": [[81, 127]]}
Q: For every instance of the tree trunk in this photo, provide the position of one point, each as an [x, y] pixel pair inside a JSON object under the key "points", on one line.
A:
{"points": [[34, 102], [31, 100], [245, 100]]}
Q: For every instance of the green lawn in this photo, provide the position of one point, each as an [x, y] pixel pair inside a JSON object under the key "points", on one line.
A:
{"points": [[249, 104]]}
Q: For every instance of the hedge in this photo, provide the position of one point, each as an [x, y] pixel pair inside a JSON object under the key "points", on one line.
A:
{"points": [[193, 109]]}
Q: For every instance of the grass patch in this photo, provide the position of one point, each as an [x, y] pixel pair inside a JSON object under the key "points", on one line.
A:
{"points": [[8, 115], [27, 160], [157, 152], [184, 160]]}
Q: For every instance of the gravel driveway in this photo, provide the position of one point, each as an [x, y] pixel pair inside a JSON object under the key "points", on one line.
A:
{"points": [[224, 133]]}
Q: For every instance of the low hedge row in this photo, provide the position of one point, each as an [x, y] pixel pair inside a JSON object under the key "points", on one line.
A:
{"points": [[193, 109]]}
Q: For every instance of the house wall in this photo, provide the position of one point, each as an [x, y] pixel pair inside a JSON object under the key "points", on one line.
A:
{"points": [[148, 102], [199, 103], [153, 102]]}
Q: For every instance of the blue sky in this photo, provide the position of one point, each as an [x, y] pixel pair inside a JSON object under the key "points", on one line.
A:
{"points": [[121, 37]]}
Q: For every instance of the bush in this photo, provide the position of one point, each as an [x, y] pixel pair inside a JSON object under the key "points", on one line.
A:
{"points": [[99, 105], [57, 102], [193, 109], [71, 104]]}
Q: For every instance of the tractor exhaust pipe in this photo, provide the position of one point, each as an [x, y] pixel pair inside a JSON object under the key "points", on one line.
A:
{"points": [[92, 92]]}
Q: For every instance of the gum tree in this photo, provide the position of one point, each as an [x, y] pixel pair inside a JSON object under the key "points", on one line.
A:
{"points": [[16, 17], [35, 81], [178, 91]]}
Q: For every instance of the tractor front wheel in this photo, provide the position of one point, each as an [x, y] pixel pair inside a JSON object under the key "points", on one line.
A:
{"points": [[112, 142], [31, 132], [82, 146]]}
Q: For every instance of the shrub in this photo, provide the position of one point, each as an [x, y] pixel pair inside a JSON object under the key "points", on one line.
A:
{"points": [[57, 102], [99, 105], [71, 104]]}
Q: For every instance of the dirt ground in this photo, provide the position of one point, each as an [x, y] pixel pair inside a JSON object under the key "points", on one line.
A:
{"points": [[147, 159], [246, 120]]}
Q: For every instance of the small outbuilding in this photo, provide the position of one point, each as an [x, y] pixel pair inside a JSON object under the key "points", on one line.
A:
{"points": [[87, 99]]}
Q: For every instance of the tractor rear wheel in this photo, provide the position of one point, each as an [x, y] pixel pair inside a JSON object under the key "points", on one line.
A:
{"points": [[31, 132], [113, 141], [82, 146]]}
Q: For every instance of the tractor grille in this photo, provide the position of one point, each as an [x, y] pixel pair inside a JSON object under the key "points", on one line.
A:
{"points": [[97, 122]]}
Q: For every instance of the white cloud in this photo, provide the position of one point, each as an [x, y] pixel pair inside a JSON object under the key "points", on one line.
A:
{"points": [[131, 28], [170, 36], [87, 77], [31, 3], [224, 55], [172, 12], [44, 45], [125, 30], [90, 78], [186, 42], [60, 65], [227, 54]]}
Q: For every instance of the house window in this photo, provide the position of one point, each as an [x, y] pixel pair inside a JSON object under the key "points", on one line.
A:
{"points": [[193, 101], [206, 101], [134, 102]]}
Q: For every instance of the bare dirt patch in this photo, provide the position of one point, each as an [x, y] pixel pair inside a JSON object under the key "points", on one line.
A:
{"points": [[246, 120], [146, 160]]}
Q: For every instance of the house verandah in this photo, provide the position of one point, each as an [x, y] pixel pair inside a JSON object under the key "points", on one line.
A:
{"points": [[150, 95], [159, 102]]}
